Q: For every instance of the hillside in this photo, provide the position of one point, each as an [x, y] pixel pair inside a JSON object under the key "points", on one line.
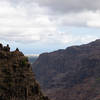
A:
{"points": [[72, 73], [17, 80]]}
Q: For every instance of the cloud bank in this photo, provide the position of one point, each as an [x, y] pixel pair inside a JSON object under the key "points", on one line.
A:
{"points": [[31, 21]]}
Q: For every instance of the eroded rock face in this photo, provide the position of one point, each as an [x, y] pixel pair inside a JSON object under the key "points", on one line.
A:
{"points": [[70, 74], [17, 80]]}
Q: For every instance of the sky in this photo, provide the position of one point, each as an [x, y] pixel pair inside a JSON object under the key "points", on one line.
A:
{"points": [[37, 26]]}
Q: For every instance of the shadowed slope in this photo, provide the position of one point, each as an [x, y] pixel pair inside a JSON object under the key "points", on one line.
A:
{"points": [[71, 74]]}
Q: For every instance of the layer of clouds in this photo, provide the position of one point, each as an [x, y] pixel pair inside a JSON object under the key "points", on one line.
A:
{"points": [[70, 5], [42, 20]]}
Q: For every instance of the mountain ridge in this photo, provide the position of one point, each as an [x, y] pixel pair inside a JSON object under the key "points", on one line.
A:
{"points": [[17, 81], [64, 70]]}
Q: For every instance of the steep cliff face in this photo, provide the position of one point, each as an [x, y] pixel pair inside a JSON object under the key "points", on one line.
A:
{"points": [[71, 74], [17, 80]]}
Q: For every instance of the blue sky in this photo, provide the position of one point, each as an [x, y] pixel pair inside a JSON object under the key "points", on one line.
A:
{"points": [[48, 27]]}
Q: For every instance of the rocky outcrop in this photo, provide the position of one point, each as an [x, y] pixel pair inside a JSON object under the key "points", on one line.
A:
{"points": [[17, 80], [72, 73]]}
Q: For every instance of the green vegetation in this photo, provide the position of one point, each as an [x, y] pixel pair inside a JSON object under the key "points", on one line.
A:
{"points": [[24, 61]]}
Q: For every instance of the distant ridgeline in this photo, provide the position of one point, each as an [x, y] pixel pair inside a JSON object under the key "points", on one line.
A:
{"points": [[17, 80], [32, 59]]}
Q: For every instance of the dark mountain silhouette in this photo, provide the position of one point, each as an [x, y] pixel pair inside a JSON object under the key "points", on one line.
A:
{"points": [[70, 74], [17, 80]]}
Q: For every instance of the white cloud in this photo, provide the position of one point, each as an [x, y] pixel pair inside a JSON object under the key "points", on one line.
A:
{"points": [[29, 22], [24, 24], [84, 19], [88, 38]]}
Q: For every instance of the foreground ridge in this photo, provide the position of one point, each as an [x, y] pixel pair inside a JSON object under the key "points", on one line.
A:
{"points": [[17, 80]]}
